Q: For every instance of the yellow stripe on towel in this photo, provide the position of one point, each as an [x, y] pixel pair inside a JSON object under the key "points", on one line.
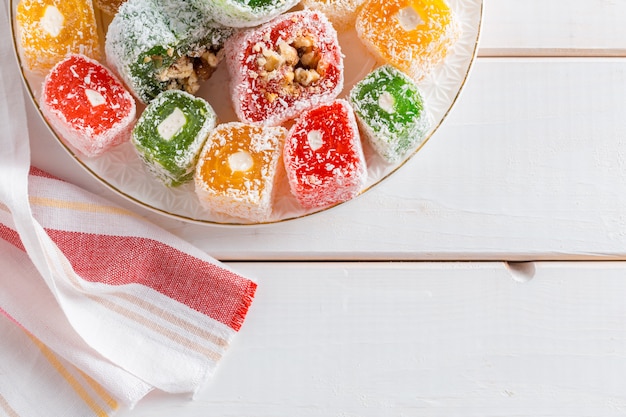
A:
{"points": [[79, 206], [98, 389], [71, 380], [4, 405]]}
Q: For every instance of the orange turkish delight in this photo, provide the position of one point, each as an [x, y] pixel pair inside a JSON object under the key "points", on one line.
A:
{"points": [[412, 35], [49, 30], [237, 169]]}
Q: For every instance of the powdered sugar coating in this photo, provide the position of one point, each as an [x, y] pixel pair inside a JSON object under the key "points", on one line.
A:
{"points": [[244, 13], [412, 35], [342, 13], [330, 172], [246, 189], [73, 31], [173, 159], [90, 126], [147, 37], [272, 94], [391, 112]]}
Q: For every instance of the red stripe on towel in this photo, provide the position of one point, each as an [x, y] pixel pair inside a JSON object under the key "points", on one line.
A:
{"points": [[34, 171], [11, 236], [117, 260]]}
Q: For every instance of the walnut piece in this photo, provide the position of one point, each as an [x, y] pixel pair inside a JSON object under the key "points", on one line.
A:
{"points": [[187, 72], [297, 62], [306, 77], [271, 60], [181, 69], [289, 53]]}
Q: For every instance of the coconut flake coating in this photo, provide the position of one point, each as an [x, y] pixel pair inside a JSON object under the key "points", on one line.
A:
{"points": [[287, 66], [391, 112], [342, 13], [156, 45], [412, 35], [49, 30], [90, 109], [170, 133], [244, 13], [323, 156], [237, 170]]}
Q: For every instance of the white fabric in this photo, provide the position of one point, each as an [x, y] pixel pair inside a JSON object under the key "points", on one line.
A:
{"points": [[77, 345]]}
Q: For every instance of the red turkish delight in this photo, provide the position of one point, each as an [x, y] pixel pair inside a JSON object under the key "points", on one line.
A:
{"points": [[323, 156], [87, 105], [287, 66]]}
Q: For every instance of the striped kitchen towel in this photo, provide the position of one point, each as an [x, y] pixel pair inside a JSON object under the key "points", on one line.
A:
{"points": [[121, 307]]}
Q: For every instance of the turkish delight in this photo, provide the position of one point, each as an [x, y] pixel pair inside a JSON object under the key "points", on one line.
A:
{"points": [[412, 35], [341, 13], [90, 109], [170, 134], [391, 111], [156, 45], [284, 67], [49, 30], [323, 157], [237, 170], [244, 13]]}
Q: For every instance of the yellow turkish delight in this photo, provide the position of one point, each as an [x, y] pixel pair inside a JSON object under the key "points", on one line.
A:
{"points": [[49, 30]]}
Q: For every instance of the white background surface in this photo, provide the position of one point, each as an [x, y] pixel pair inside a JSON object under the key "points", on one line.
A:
{"points": [[422, 339], [530, 165]]}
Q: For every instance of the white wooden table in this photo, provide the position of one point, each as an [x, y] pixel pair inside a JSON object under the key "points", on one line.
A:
{"points": [[365, 310]]}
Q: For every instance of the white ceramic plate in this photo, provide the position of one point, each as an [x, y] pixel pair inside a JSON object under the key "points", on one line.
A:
{"points": [[122, 171]]}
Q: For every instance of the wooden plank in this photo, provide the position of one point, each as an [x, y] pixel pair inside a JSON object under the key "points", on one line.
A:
{"points": [[556, 27], [421, 339], [531, 164]]}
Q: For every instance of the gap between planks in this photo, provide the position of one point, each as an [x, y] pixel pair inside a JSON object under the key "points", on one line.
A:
{"points": [[551, 53]]}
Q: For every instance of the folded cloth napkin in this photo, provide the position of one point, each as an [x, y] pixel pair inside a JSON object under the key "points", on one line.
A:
{"points": [[125, 307], [98, 307]]}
